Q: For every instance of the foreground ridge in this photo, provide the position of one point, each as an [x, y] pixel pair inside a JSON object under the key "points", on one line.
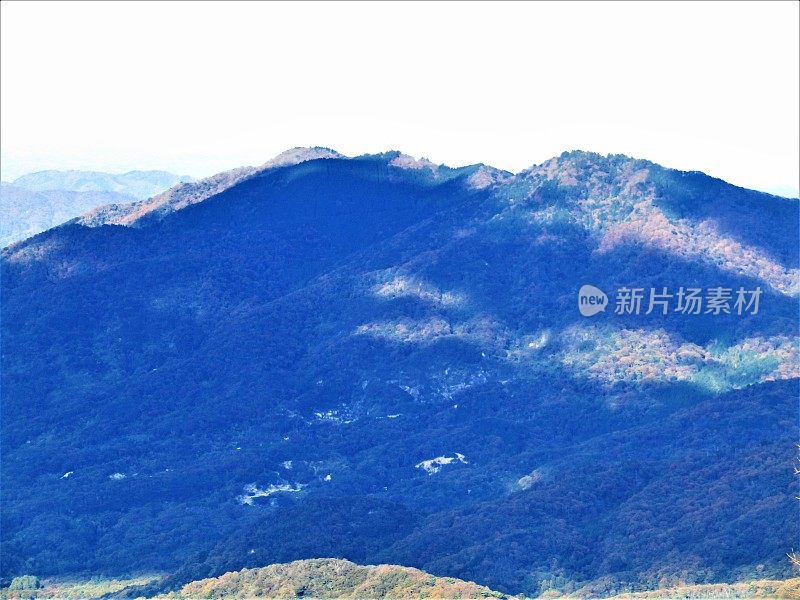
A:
{"points": [[331, 578]]}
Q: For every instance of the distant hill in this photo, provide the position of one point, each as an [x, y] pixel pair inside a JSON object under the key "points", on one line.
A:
{"points": [[24, 213], [137, 184], [36, 202], [382, 359]]}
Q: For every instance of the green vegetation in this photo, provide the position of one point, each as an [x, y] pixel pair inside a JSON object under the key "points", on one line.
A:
{"points": [[24, 582], [767, 589], [72, 589]]}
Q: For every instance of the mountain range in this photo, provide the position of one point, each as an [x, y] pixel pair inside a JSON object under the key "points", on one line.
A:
{"points": [[383, 360], [39, 201], [138, 184]]}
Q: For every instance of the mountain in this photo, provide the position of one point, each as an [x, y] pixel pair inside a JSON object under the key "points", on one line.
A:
{"points": [[383, 360], [138, 184], [24, 213]]}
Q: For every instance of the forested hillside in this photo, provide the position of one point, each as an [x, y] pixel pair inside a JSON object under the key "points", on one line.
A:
{"points": [[383, 360]]}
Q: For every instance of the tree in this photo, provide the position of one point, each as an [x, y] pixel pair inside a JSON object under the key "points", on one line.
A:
{"points": [[24, 582]]}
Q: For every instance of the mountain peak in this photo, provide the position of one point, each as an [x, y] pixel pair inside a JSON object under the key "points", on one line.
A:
{"points": [[299, 154], [406, 161]]}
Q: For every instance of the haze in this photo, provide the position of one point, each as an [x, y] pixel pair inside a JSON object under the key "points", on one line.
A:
{"points": [[195, 88]]}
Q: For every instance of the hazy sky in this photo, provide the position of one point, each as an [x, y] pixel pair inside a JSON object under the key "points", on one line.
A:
{"points": [[196, 88]]}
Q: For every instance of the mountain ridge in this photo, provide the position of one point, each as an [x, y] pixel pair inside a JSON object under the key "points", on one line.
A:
{"points": [[395, 158], [614, 221], [186, 194]]}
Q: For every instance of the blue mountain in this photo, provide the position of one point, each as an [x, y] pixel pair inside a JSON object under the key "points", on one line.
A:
{"points": [[382, 359]]}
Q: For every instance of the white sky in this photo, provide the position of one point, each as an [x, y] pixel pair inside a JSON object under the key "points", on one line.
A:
{"points": [[196, 88]]}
